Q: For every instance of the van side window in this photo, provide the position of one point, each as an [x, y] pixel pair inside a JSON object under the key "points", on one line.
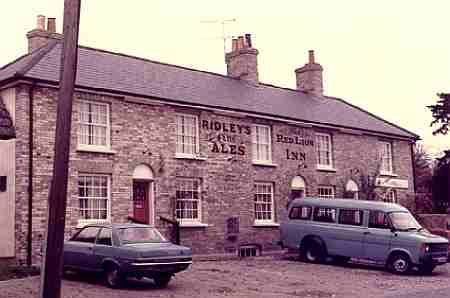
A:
{"points": [[301, 212], [324, 214], [379, 220], [350, 217]]}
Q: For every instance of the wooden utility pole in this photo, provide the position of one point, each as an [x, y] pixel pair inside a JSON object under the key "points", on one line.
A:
{"points": [[52, 264]]}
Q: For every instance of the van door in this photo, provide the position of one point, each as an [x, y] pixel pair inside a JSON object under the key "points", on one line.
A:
{"points": [[378, 236], [350, 233]]}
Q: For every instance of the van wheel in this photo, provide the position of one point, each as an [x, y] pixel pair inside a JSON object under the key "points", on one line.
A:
{"points": [[162, 280], [399, 263], [313, 252]]}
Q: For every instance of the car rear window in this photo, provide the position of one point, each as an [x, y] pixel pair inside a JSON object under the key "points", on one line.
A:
{"points": [[140, 235], [87, 234]]}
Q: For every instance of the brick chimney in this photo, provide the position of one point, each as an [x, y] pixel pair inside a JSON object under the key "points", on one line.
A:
{"points": [[41, 36], [309, 77], [242, 60]]}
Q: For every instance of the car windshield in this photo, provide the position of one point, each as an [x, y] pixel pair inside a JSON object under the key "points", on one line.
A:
{"points": [[404, 221], [140, 235]]}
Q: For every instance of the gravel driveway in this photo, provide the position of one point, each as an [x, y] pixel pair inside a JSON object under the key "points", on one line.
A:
{"points": [[257, 277]]}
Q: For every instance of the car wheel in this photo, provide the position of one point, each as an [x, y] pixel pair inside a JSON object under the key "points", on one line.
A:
{"points": [[162, 280], [399, 263], [426, 269], [113, 276], [313, 252]]}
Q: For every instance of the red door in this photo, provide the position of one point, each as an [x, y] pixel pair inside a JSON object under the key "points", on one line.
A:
{"points": [[140, 201]]}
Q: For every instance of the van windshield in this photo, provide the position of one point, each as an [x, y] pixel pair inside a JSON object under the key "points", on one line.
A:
{"points": [[404, 221]]}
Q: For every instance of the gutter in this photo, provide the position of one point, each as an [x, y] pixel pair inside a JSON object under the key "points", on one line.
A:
{"points": [[30, 174]]}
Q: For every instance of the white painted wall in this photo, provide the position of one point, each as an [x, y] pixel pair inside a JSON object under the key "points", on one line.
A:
{"points": [[8, 169]]}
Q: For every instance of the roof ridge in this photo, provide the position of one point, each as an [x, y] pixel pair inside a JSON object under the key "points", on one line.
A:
{"points": [[40, 53], [417, 137], [156, 62]]}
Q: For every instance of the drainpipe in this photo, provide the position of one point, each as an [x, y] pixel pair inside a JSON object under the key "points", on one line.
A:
{"points": [[413, 167], [30, 175]]}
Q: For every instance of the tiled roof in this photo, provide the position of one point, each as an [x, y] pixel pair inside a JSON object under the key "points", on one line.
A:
{"points": [[7, 130], [106, 71]]}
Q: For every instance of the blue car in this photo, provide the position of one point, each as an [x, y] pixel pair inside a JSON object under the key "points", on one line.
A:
{"points": [[125, 250]]}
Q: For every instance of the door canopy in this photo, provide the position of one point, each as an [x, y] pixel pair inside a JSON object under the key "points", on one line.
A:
{"points": [[143, 172]]}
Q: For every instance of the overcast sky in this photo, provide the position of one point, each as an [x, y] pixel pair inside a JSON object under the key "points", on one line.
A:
{"points": [[388, 57]]}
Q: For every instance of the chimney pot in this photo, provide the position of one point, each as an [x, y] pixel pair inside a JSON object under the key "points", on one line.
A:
{"points": [[234, 45], [51, 25], [248, 40], [40, 22], [311, 57], [240, 42]]}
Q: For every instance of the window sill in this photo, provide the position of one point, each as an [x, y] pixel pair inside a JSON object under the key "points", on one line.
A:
{"points": [[193, 225], [82, 223], [193, 157], [265, 224], [96, 150], [389, 174], [325, 169], [264, 163]]}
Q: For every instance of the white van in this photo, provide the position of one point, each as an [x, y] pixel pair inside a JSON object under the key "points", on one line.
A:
{"points": [[342, 228]]}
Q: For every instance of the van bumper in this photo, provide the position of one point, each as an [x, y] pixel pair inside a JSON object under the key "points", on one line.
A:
{"points": [[430, 259]]}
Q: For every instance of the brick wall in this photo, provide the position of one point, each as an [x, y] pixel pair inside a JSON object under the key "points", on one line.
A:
{"points": [[145, 134]]}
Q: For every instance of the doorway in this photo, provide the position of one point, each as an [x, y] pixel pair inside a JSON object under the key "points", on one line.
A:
{"points": [[143, 197]]}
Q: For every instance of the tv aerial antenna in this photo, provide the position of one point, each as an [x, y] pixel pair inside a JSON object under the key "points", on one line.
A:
{"points": [[223, 23]]}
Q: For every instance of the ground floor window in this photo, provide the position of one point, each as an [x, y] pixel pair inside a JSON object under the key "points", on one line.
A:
{"points": [[325, 192], [188, 200], [390, 196], [93, 197], [263, 200]]}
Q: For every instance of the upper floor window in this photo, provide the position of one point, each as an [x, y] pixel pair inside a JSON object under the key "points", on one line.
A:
{"points": [[385, 151], [264, 206], [262, 143], [188, 200], [93, 197], [187, 135], [325, 192], [324, 151], [93, 125]]}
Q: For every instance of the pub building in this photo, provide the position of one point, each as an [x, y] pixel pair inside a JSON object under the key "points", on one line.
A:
{"points": [[220, 154]]}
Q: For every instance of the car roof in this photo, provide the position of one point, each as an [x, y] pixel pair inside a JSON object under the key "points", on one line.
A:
{"points": [[119, 225], [348, 203]]}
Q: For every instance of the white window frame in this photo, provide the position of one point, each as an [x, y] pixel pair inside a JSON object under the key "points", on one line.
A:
{"points": [[390, 196], [179, 132], [258, 144], [386, 158], [329, 165], [185, 182], [257, 201], [107, 125], [326, 192], [83, 221]]}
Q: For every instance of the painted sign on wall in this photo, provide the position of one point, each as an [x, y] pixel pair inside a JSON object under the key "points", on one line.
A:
{"points": [[224, 136]]}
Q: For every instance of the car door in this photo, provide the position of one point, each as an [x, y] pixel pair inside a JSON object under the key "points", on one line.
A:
{"points": [[103, 248], [378, 236], [79, 251]]}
